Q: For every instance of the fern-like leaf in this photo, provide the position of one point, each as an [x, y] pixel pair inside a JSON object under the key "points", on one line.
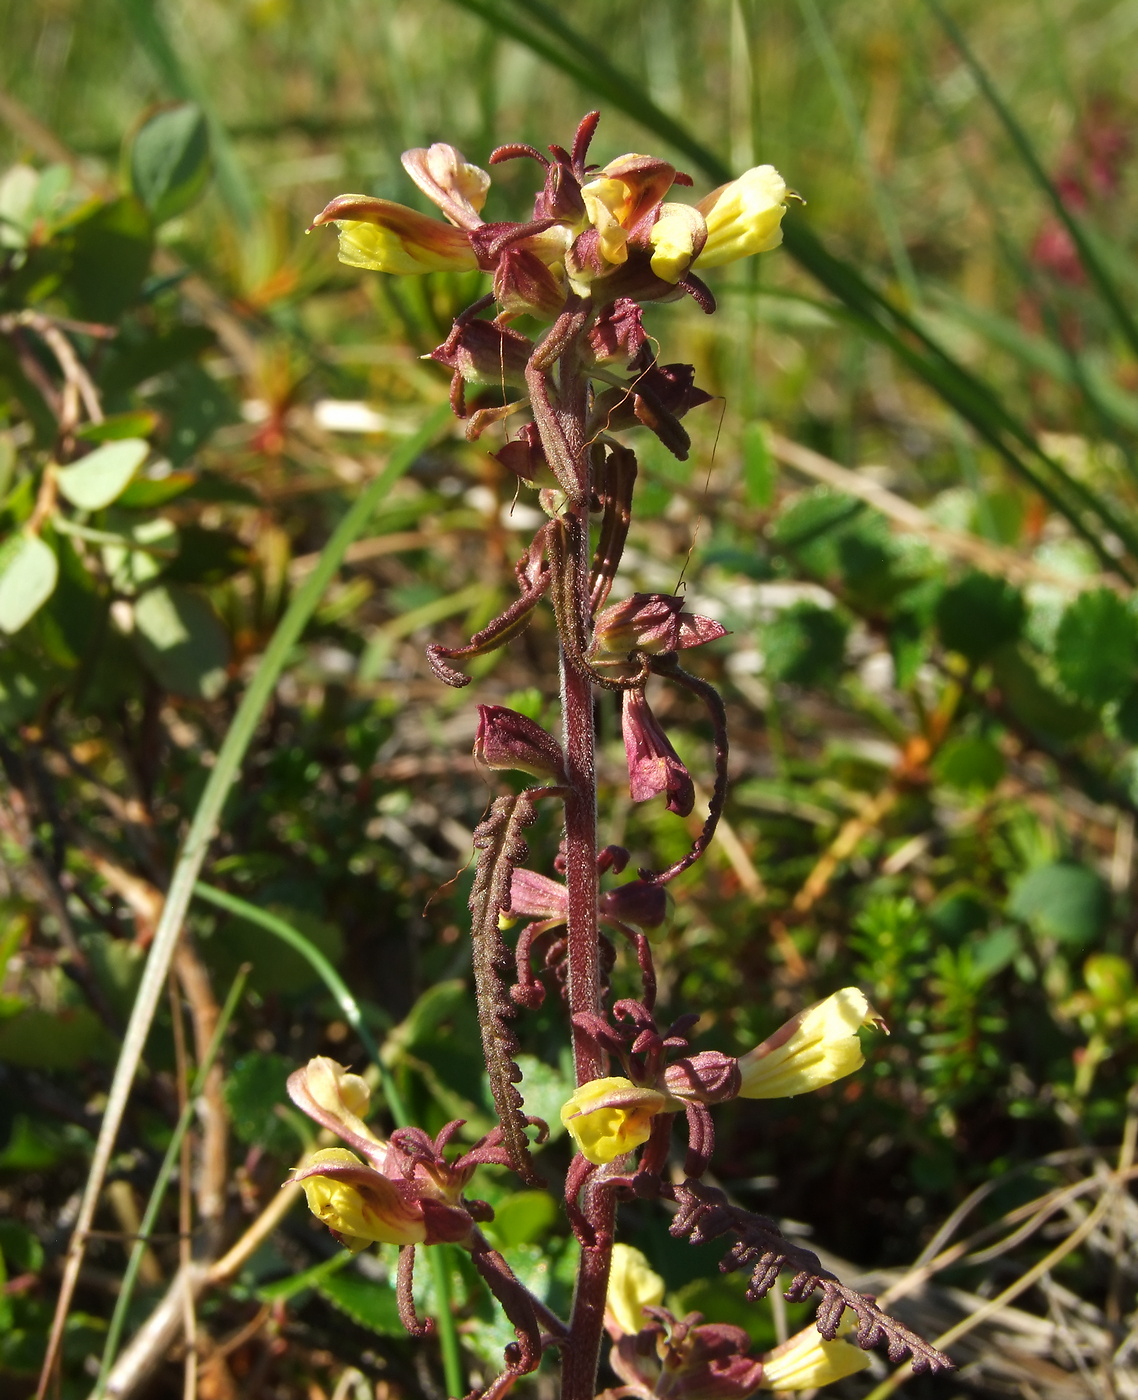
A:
{"points": [[760, 1246], [501, 847]]}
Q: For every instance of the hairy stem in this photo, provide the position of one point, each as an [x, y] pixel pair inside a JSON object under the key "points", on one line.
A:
{"points": [[581, 1353]]}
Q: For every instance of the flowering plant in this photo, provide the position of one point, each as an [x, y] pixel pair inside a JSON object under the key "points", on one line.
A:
{"points": [[601, 242]]}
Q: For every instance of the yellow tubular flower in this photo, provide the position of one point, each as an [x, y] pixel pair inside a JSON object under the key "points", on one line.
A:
{"points": [[807, 1361], [632, 1288], [609, 1117], [373, 1212], [817, 1047], [743, 217], [382, 236]]}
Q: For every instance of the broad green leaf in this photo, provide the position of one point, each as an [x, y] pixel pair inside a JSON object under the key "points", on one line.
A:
{"points": [[28, 574], [169, 160], [146, 492], [148, 546], [254, 1088], [525, 1217], [138, 424], [1096, 647], [101, 477], [17, 194], [182, 642], [969, 762], [1061, 900], [366, 1301], [804, 644], [979, 614], [110, 256], [54, 1040], [283, 1288]]}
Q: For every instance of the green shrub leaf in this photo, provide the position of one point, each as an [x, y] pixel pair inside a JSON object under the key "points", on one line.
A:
{"points": [[103, 475], [979, 614], [1096, 647], [169, 161], [28, 574], [1061, 900], [181, 641]]}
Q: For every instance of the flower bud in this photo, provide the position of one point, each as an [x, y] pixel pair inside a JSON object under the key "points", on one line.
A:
{"points": [[336, 1099], [508, 740], [609, 1117], [386, 237], [445, 177], [808, 1361], [743, 217], [684, 1360], [642, 903], [815, 1048], [484, 353], [651, 622], [525, 286], [709, 1077], [632, 1287], [654, 767]]}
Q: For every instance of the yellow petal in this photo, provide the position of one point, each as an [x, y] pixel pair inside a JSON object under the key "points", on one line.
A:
{"points": [[632, 1288], [807, 1361], [676, 237], [816, 1048], [743, 217], [609, 1117], [603, 199]]}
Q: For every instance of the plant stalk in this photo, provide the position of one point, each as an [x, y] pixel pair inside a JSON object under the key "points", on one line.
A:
{"points": [[581, 1353]]}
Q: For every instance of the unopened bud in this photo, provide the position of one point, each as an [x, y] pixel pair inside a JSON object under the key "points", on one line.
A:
{"points": [[709, 1077], [484, 353], [506, 739], [642, 903]]}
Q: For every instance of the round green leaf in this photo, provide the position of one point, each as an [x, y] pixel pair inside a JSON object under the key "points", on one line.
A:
{"points": [[969, 762], [182, 642], [28, 574], [1061, 900], [1096, 647], [979, 614], [169, 161], [103, 475], [805, 644]]}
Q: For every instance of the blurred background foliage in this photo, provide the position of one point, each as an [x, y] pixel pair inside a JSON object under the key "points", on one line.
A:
{"points": [[912, 502]]}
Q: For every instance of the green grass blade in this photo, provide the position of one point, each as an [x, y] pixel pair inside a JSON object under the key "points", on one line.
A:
{"points": [[1088, 256], [161, 1181], [202, 829], [337, 987]]}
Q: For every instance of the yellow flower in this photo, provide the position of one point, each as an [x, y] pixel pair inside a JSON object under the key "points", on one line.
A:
{"points": [[357, 1203], [807, 1361], [609, 1117], [383, 236], [743, 217], [632, 1288], [817, 1047]]}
